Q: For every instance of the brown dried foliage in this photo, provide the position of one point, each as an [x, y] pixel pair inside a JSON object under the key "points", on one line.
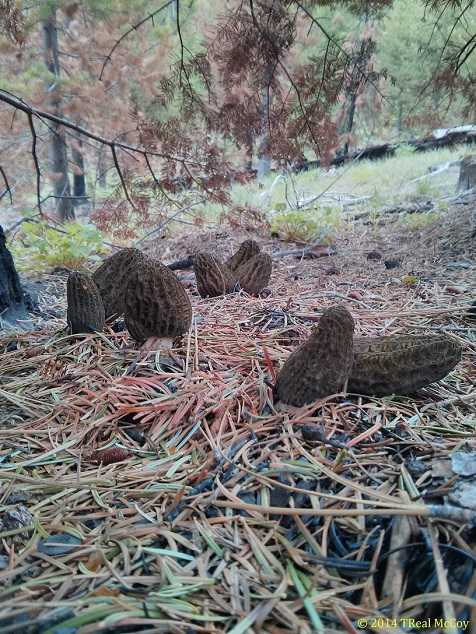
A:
{"points": [[85, 311], [11, 21], [156, 302], [253, 93]]}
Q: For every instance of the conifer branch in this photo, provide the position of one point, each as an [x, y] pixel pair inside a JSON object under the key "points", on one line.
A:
{"points": [[121, 176], [365, 76], [167, 220], [133, 28]]}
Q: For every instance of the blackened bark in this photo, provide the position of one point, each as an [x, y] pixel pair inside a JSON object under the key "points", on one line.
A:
{"points": [[12, 304], [349, 124]]}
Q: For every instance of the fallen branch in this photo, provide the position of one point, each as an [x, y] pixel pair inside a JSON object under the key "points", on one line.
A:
{"points": [[186, 263]]}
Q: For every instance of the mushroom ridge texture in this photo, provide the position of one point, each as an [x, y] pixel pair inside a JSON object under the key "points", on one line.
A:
{"points": [[85, 312], [157, 304], [112, 277], [321, 365]]}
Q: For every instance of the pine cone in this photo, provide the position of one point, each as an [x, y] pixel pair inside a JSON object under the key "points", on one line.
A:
{"points": [[321, 365], [156, 302], [213, 278], [248, 249], [401, 364], [85, 308], [112, 276], [254, 275]]}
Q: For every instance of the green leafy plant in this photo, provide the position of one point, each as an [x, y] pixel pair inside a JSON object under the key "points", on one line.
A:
{"points": [[45, 247], [418, 221], [425, 187], [300, 227], [375, 202]]}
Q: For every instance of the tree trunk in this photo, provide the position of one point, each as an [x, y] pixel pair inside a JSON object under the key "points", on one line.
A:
{"points": [[349, 122], [12, 304], [79, 180], [400, 119], [264, 161], [58, 148], [102, 168], [467, 174]]}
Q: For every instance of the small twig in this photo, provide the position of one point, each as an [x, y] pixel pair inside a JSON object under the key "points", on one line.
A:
{"points": [[169, 219], [133, 28], [8, 189], [121, 176], [350, 299], [15, 225], [349, 165], [443, 586]]}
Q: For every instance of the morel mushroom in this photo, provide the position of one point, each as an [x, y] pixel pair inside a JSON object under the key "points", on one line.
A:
{"points": [[112, 277], [247, 250], [401, 364], [254, 275], [213, 278], [157, 304], [85, 311], [321, 365]]}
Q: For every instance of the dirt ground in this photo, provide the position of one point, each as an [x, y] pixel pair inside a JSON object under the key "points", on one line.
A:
{"points": [[169, 492]]}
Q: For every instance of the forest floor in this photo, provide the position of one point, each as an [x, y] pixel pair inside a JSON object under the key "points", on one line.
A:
{"points": [[167, 492]]}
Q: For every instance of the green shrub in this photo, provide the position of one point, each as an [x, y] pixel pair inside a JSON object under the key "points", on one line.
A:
{"points": [[43, 247], [300, 227], [418, 221]]}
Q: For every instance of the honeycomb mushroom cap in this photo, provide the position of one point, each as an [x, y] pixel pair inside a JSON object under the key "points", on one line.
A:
{"points": [[85, 312], [254, 275], [401, 364], [156, 302], [247, 250], [321, 365], [212, 277], [112, 277]]}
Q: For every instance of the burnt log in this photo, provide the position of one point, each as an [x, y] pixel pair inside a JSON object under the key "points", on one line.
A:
{"points": [[438, 139], [467, 174], [12, 300]]}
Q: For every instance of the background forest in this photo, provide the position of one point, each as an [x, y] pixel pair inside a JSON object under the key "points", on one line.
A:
{"points": [[173, 101]]}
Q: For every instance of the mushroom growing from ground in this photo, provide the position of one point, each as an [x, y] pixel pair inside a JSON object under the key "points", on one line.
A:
{"points": [[85, 312], [213, 278], [322, 364], [157, 305], [112, 277]]}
